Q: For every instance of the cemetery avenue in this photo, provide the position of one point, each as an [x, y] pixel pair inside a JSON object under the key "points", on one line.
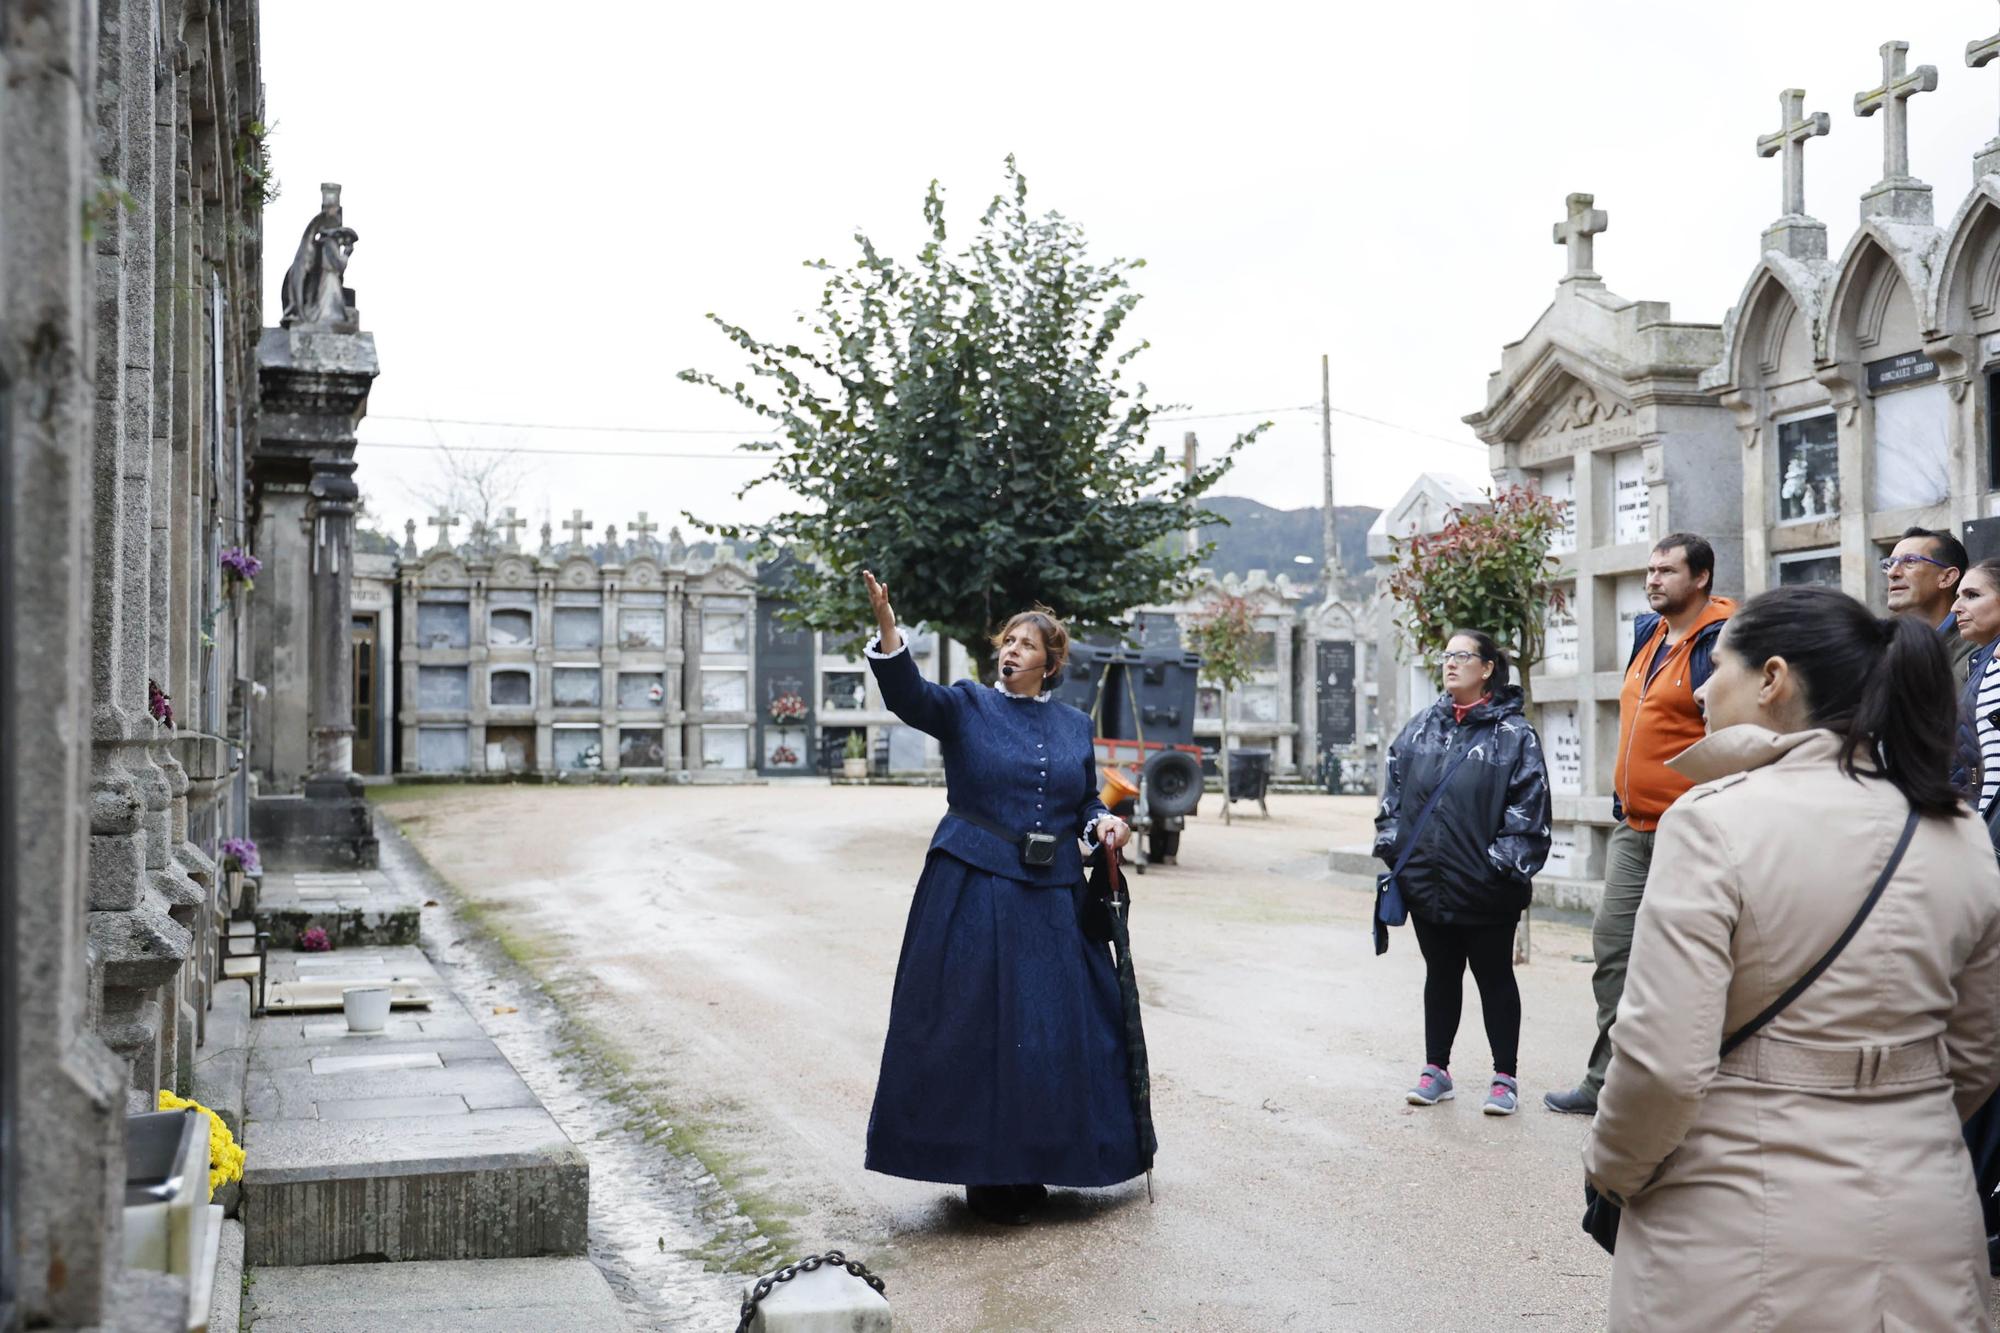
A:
{"points": [[729, 950]]}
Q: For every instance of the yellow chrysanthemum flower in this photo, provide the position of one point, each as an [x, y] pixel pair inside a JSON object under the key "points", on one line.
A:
{"points": [[225, 1159]]}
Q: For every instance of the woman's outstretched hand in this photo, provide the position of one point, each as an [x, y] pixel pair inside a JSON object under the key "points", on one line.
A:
{"points": [[885, 616]]}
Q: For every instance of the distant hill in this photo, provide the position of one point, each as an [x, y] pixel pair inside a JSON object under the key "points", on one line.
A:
{"points": [[1260, 537]]}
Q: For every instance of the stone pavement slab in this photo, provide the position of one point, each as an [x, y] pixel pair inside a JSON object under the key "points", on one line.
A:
{"points": [[356, 908], [417, 1143], [547, 1295]]}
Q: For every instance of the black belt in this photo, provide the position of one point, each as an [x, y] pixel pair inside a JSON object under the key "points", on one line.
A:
{"points": [[1036, 849]]}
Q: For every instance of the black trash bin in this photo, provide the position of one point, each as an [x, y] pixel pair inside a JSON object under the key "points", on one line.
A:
{"points": [[1249, 775]]}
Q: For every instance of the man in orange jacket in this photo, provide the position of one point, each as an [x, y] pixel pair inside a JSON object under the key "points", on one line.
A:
{"points": [[1673, 651]]}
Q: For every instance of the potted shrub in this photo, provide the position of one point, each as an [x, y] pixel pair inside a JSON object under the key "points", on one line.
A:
{"points": [[855, 761]]}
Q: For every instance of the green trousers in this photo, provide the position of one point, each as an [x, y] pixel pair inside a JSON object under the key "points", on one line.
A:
{"points": [[1626, 862]]}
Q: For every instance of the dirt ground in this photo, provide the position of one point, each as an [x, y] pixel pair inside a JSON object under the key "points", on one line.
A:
{"points": [[737, 946]]}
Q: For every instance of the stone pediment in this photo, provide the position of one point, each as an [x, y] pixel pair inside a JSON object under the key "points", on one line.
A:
{"points": [[513, 569], [643, 574], [577, 572], [444, 569], [726, 575], [1578, 407]]}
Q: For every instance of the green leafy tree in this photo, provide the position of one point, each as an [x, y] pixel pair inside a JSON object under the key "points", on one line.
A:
{"points": [[1224, 632], [967, 427], [1488, 569]]}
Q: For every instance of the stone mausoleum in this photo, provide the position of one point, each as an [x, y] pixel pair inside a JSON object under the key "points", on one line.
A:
{"points": [[1845, 398]]}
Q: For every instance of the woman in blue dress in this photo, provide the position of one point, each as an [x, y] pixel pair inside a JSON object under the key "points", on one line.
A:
{"points": [[1005, 1066]]}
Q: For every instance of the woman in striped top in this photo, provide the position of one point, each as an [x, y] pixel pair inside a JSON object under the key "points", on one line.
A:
{"points": [[1977, 611]]}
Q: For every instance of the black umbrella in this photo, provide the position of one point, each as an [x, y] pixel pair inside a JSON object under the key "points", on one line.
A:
{"points": [[1105, 910]]}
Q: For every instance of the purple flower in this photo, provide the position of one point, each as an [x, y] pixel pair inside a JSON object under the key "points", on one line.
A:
{"points": [[243, 851], [241, 563], [158, 704], [313, 940]]}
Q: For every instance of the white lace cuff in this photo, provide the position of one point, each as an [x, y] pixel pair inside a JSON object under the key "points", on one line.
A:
{"points": [[871, 648]]}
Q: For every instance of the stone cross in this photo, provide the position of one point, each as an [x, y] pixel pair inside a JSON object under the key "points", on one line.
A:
{"points": [[1893, 97], [444, 523], [1583, 224], [509, 524], [642, 530], [577, 527], [1795, 126], [1977, 56]]}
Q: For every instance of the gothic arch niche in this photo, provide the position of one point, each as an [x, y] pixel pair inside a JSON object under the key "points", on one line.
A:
{"points": [[1972, 270], [1874, 313], [1774, 342]]}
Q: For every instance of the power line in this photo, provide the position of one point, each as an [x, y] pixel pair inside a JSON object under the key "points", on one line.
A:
{"points": [[677, 430], [570, 426], [1407, 430], [563, 453]]}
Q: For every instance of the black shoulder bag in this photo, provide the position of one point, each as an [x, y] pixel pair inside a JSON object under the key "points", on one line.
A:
{"points": [[1600, 1215]]}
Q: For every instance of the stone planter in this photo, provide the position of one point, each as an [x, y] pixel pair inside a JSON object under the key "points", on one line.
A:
{"points": [[854, 768]]}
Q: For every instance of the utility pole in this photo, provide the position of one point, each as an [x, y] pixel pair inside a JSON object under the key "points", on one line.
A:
{"points": [[1329, 535], [1191, 540]]}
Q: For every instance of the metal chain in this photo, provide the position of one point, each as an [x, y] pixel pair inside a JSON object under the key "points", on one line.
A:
{"points": [[806, 1265]]}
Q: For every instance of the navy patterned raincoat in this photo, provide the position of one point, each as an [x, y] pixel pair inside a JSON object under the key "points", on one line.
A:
{"points": [[1489, 835]]}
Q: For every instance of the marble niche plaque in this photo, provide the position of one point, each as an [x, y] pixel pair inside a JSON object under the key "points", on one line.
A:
{"points": [[1631, 505], [1562, 742]]}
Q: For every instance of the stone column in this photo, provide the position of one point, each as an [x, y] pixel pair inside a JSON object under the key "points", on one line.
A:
{"points": [[67, 1088], [332, 564]]}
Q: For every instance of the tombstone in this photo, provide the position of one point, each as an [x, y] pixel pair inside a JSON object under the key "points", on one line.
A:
{"points": [[1598, 407], [784, 688]]}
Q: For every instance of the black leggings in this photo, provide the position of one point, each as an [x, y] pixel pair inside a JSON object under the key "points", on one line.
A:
{"points": [[1489, 951]]}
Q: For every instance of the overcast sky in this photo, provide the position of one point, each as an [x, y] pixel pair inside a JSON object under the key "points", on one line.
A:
{"points": [[549, 200]]}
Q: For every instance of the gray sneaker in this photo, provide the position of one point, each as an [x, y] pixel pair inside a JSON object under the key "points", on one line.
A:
{"points": [[1504, 1097], [1433, 1086]]}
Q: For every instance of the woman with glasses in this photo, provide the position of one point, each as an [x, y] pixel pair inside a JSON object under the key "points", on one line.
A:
{"points": [[1976, 613], [1464, 826]]}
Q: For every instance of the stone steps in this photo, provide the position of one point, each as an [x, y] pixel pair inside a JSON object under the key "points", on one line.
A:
{"points": [[419, 1143], [547, 1295], [356, 908]]}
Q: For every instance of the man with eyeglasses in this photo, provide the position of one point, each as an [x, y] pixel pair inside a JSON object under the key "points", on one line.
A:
{"points": [[1672, 655], [1923, 573]]}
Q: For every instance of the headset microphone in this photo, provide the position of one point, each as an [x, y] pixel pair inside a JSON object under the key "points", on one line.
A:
{"points": [[1007, 671]]}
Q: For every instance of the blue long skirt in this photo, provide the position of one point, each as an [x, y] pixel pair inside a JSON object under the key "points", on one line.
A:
{"points": [[1005, 1060]]}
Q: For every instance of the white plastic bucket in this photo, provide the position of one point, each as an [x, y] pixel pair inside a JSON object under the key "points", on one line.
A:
{"points": [[366, 1007]]}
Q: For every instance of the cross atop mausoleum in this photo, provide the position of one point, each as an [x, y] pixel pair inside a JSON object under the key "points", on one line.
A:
{"points": [[1977, 56], [508, 524], [1578, 232], [1898, 194], [1794, 233], [444, 522], [642, 531], [1795, 126], [577, 525]]}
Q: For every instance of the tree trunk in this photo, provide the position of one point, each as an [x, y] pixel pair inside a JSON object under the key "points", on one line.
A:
{"points": [[1222, 756]]}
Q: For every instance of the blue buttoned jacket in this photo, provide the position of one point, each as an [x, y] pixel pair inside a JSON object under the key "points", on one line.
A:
{"points": [[1024, 764]]}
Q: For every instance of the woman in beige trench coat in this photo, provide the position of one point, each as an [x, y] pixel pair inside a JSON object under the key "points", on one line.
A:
{"points": [[1816, 1179]]}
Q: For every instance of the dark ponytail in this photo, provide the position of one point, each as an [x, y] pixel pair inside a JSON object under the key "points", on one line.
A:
{"points": [[1883, 685]]}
